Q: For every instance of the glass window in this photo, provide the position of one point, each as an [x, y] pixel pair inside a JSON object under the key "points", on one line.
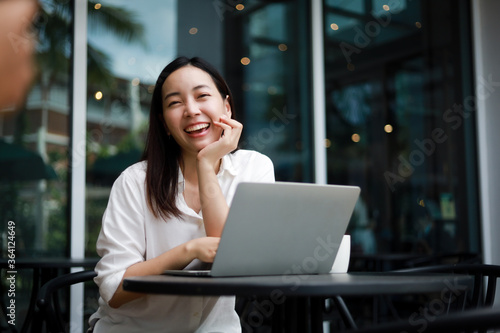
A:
{"points": [[129, 43], [399, 123], [35, 139], [34, 152], [268, 69]]}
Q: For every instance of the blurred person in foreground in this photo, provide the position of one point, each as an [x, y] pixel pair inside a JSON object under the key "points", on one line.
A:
{"points": [[16, 50]]}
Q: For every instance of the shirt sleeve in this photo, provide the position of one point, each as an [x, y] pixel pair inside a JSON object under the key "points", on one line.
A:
{"points": [[121, 242]]}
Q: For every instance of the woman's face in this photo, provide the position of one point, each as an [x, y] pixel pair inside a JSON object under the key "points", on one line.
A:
{"points": [[191, 103]]}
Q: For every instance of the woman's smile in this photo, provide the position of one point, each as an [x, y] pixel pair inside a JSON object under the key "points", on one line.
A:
{"points": [[197, 129]]}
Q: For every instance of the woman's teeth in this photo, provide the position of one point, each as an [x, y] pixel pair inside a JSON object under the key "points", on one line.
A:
{"points": [[197, 127]]}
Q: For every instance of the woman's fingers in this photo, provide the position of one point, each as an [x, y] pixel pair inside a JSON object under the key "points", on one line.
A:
{"points": [[206, 248], [227, 142], [228, 124]]}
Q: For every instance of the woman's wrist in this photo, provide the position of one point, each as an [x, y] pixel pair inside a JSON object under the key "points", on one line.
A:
{"points": [[191, 250], [205, 165]]}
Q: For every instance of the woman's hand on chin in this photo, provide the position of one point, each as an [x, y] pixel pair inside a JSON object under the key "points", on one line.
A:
{"points": [[231, 132]]}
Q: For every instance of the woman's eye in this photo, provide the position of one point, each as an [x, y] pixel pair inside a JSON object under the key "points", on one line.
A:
{"points": [[203, 95], [173, 103]]}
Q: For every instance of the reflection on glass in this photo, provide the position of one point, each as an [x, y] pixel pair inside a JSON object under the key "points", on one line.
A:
{"points": [[34, 143], [385, 70], [34, 155], [271, 88], [126, 53]]}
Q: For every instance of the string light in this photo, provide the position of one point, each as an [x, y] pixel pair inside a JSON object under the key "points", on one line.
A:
{"points": [[245, 61]]}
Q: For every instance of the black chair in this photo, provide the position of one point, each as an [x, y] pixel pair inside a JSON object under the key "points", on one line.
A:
{"points": [[474, 320], [443, 259], [475, 313], [485, 280], [342, 310], [48, 301]]}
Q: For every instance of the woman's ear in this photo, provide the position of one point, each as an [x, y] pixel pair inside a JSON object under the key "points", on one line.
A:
{"points": [[227, 106]]}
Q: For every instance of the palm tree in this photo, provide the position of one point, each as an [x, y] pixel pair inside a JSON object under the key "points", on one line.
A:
{"points": [[53, 52]]}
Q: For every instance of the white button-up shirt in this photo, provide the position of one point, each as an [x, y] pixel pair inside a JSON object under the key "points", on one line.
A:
{"points": [[130, 234]]}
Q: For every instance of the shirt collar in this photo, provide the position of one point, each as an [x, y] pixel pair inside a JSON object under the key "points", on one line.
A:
{"points": [[226, 166], [180, 178]]}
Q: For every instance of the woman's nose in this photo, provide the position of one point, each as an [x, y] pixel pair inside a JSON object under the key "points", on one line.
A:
{"points": [[191, 109]]}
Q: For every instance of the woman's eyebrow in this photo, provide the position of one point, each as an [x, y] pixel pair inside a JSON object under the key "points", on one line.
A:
{"points": [[176, 93], [201, 86]]}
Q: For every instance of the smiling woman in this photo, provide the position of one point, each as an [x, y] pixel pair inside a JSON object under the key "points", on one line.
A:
{"points": [[168, 211]]}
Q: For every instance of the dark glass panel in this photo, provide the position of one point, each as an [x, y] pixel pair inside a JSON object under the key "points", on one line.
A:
{"points": [[267, 65], [399, 123]]}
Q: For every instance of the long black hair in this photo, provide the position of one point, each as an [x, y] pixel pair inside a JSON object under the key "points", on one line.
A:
{"points": [[162, 153]]}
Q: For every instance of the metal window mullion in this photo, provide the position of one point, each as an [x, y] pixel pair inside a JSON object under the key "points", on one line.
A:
{"points": [[318, 92], [78, 156]]}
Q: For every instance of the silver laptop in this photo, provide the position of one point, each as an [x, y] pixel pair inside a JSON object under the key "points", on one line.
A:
{"points": [[282, 228]]}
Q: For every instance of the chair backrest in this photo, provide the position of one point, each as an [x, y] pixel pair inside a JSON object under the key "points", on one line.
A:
{"points": [[475, 307], [485, 279], [473, 320], [47, 298], [443, 259]]}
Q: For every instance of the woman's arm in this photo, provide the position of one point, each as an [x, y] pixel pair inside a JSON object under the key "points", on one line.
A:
{"points": [[122, 241], [213, 203], [203, 249]]}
